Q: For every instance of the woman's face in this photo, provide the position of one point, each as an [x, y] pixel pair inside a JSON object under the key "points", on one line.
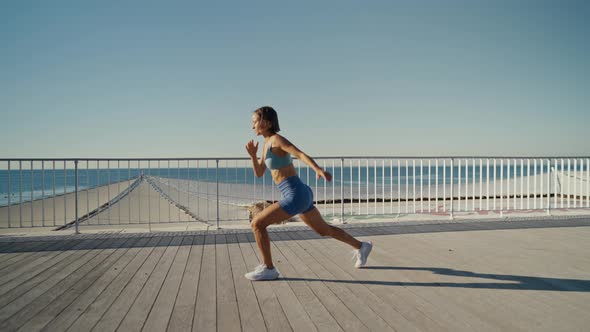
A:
{"points": [[257, 124]]}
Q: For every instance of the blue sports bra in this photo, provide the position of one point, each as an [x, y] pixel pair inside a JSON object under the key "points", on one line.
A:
{"points": [[273, 161]]}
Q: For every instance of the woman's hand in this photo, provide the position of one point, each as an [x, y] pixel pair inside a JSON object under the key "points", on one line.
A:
{"points": [[323, 174], [252, 148]]}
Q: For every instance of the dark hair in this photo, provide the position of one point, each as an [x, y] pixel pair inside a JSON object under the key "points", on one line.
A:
{"points": [[269, 114]]}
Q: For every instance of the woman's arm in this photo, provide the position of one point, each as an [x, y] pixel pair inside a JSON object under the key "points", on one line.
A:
{"points": [[287, 146], [258, 166]]}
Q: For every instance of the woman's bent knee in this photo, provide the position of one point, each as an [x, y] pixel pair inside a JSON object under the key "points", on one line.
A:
{"points": [[257, 225]]}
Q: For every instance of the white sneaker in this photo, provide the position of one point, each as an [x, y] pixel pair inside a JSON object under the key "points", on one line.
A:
{"points": [[261, 272], [362, 254]]}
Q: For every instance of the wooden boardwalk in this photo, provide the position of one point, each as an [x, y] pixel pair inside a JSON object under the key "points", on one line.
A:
{"points": [[469, 276]]}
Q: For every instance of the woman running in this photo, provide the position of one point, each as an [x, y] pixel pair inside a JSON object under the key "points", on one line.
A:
{"points": [[297, 196]]}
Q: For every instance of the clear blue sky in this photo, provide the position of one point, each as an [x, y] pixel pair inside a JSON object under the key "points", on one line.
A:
{"points": [[181, 78]]}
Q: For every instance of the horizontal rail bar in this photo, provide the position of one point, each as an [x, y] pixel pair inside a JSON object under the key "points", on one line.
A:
{"points": [[318, 157]]}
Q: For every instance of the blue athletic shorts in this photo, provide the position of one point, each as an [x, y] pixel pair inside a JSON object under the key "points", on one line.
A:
{"points": [[297, 196]]}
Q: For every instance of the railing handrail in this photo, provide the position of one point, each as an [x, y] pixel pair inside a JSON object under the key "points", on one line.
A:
{"points": [[318, 157]]}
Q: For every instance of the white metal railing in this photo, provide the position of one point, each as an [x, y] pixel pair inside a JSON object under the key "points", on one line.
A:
{"points": [[59, 192]]}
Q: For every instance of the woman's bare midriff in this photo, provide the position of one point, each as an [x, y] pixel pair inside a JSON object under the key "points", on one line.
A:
{"points": [[279, 175]]}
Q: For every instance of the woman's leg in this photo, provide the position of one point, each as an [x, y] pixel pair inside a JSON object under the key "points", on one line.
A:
{"points": [[270, 215], [314, 219]]}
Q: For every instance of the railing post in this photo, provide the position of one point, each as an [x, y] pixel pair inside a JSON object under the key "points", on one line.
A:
{"points": [[9, 195], [452, 194], [32, 196], [20, 193], [76, 194], [549, 187], [342, 190], [217, 190]]}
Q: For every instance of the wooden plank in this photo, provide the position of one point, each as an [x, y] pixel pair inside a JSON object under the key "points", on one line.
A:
{"points": [[23, 252], [184, 307], [457, 317], [470, 296], [68, 315], [93, 313], [338, 315], [292, 307], [401, 299], [312, 269], [35, 265], [139, 311], [394, 318], [35, 300], [270, 307], [250, 315], [520, 308], [524, 295], [6, 245], [62, 295], [17, 246], [25, 293], [205, 318], [228, 317], [162, 310], [426, 301], [115, 314]]}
